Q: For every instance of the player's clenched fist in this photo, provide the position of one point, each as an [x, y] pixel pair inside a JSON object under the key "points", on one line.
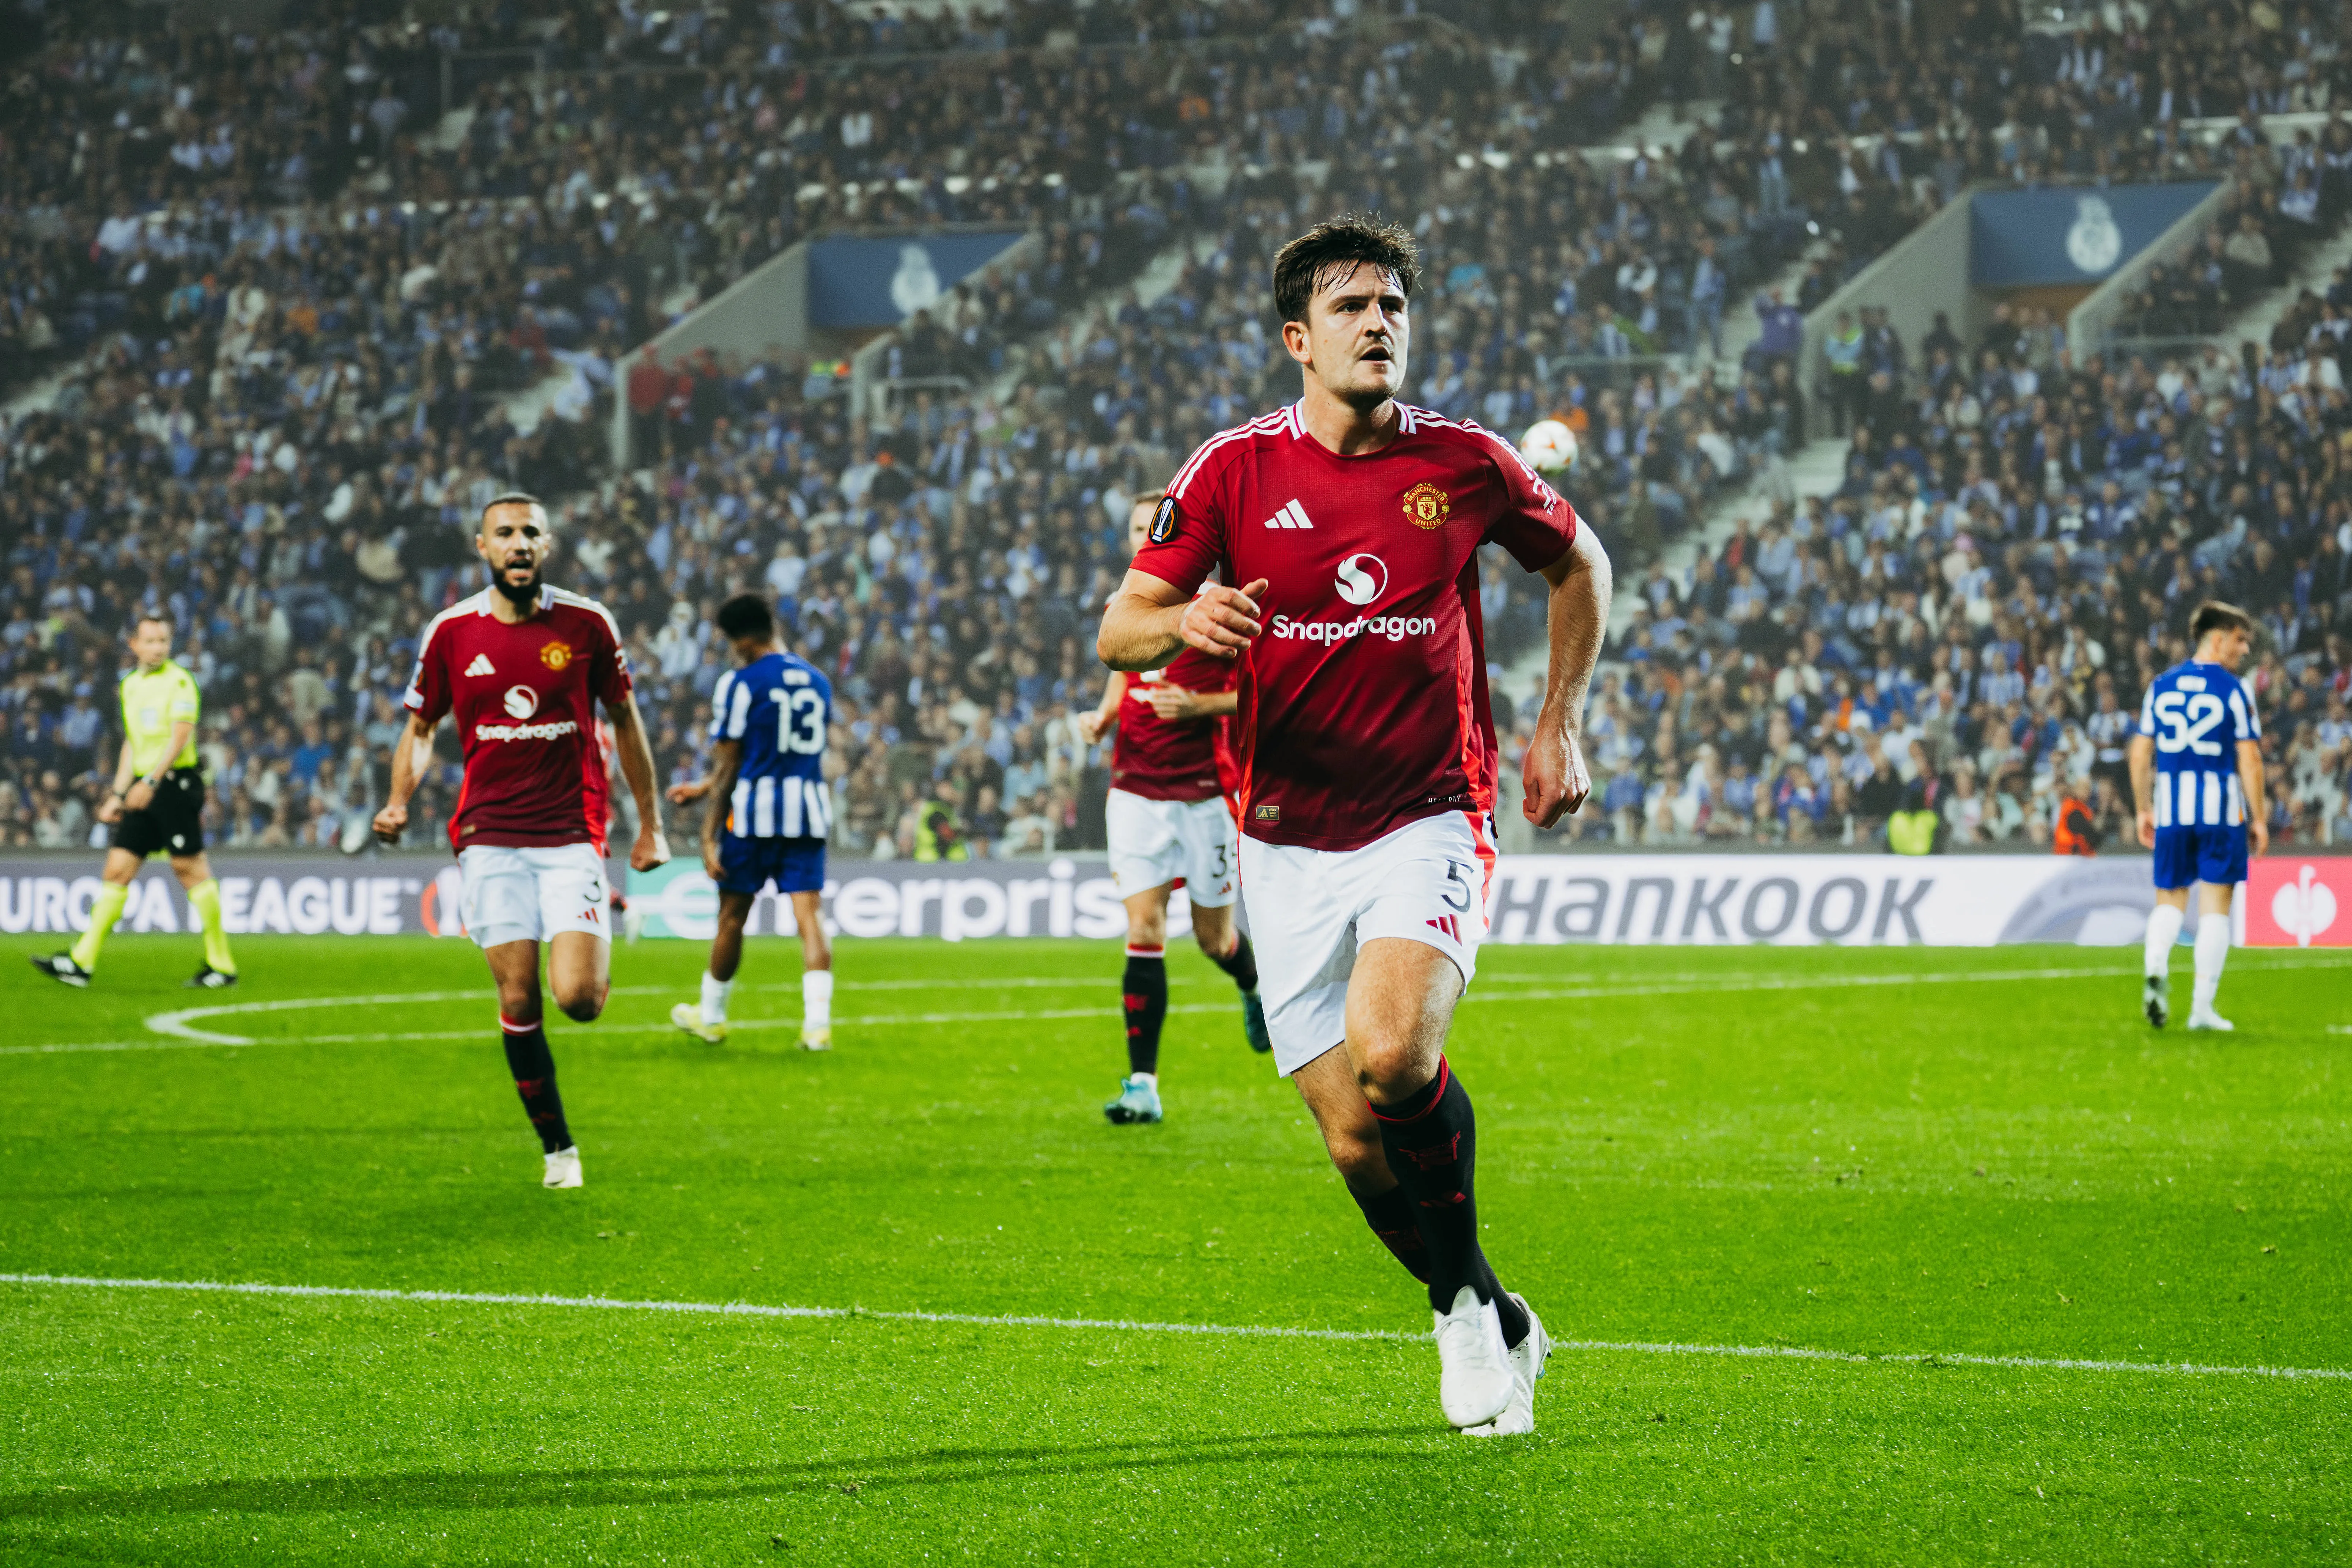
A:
{"points": [[1553, 777], [389, 824], [650, 850], [1222, 621]]}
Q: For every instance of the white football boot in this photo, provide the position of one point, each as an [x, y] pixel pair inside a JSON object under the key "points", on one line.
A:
{"points": [[2206, 1018], [1473, 1380], [1527, 1358], [563, 1167]]}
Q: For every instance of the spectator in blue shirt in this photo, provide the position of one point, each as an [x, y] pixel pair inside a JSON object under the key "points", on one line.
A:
{"points": [[313, 754]]}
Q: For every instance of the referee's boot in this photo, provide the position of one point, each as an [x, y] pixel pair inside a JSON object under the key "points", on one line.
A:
{"points": [[60, 968], [208, 978]]}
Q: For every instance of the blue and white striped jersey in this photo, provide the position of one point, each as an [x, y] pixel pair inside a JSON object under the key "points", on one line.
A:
{"points": [[2197, 714], [778, 707]]}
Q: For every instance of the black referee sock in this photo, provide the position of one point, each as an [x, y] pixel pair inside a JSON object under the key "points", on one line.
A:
{"points": [[1431, 1138], [1241, 963], [1390, 1215], [1144, 992], [533, 1066]]}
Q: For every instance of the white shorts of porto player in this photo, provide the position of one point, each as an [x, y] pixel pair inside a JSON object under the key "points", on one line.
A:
{"points": [[530, 895], [1154, 843], [1310, 909]]}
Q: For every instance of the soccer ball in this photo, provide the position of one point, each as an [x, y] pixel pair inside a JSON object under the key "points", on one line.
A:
{"points": [[1549, 445]]}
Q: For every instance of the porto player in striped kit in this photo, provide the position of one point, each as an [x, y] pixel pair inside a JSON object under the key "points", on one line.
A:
{"points": [[522, 666], [1345, 530], [1170, 824], [768, 814], [2197, 776]]}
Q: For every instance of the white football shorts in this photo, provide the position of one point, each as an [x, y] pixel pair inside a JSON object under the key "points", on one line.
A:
{"points": [[530, 895], [1154, 843], [1310, 909]]}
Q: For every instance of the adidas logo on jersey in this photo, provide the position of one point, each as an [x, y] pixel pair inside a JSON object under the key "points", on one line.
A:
{"points": [[480, 666], [1292, 516]]}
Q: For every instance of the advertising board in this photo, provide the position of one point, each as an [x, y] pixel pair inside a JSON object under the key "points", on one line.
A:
{"points": [[1791, 900]]}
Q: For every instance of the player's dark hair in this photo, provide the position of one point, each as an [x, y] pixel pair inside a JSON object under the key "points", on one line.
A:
{"points": [[2215, 616], [511, 498], [747, 615], [1330, 250], [157, 616]]}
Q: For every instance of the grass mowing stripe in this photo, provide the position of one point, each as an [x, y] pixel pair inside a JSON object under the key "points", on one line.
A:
{"points": [[1125, 1325], [176, 1023]]}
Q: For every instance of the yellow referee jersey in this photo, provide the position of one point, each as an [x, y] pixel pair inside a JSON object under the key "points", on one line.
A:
{"points": [[152, 701]]}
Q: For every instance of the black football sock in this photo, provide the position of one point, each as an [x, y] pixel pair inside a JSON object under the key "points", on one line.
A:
{"points": [[1390, 1215], [1241, 963], [1145, 993], [1432, 1140], [533, 1066]]}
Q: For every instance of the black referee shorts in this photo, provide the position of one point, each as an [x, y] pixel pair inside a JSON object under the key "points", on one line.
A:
{"points": [[174, 821]]}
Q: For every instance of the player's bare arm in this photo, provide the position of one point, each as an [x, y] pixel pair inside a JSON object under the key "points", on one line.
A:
{"points": [[726, 760], [2250, 779], [1554, 775], [1175, 705], [1150, 620], [2141, 756], [416, 740], [637, 770], [1103, 717]]}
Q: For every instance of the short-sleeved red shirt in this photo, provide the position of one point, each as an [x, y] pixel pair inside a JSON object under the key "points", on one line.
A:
{"points": [[1363, 703], [1163, 760], [525, 699]]}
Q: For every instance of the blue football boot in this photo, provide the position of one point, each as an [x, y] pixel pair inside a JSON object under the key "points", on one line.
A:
{"points": [[1138, 1100]]}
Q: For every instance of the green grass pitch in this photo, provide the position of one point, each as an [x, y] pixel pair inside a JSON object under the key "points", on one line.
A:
{"points": [[1908, 1157]]}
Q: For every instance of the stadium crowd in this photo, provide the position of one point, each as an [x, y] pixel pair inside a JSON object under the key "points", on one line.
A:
{"points": [[1963, 626], [287, 318]]}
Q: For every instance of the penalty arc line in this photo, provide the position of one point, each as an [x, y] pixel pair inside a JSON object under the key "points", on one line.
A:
{"points": [[1125, 1325]]}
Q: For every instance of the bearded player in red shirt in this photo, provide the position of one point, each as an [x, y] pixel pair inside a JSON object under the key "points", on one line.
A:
{"points": [[522, 666], [1169, 824], [1349, 524]]}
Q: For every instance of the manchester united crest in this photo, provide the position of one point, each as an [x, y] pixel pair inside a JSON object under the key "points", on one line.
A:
{"points": [[555, 655], [1427, 506]]}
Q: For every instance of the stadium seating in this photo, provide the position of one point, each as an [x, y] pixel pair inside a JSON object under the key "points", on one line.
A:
{"points": [[297, 331]]}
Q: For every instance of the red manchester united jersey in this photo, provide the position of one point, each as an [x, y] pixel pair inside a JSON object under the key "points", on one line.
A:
{"points": [[1363, 701], [525, 697], [1164, 761]]}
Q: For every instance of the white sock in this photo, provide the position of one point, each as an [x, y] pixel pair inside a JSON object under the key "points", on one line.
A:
{"points": [[715, 993], [816, 998], [1149, 1079], [2213, 951], [2163, 931]]}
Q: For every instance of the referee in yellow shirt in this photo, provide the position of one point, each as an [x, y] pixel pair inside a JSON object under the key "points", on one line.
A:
{"points": [[156, 807]]}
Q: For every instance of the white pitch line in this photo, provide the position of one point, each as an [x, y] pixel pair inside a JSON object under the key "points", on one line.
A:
{"points": [[1128, 1325], [178, 1025]]}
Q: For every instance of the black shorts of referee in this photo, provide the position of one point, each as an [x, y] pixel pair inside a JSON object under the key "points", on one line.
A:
{"points": [[174, 820]]}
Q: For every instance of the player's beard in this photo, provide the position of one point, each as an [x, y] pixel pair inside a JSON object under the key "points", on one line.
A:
{"points": [[1366, 398], [521, 595]]}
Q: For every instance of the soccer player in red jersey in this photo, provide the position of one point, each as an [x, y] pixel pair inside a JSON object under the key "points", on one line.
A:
{"points": [[1170, 824], [522, 666], [1345, 530]]}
